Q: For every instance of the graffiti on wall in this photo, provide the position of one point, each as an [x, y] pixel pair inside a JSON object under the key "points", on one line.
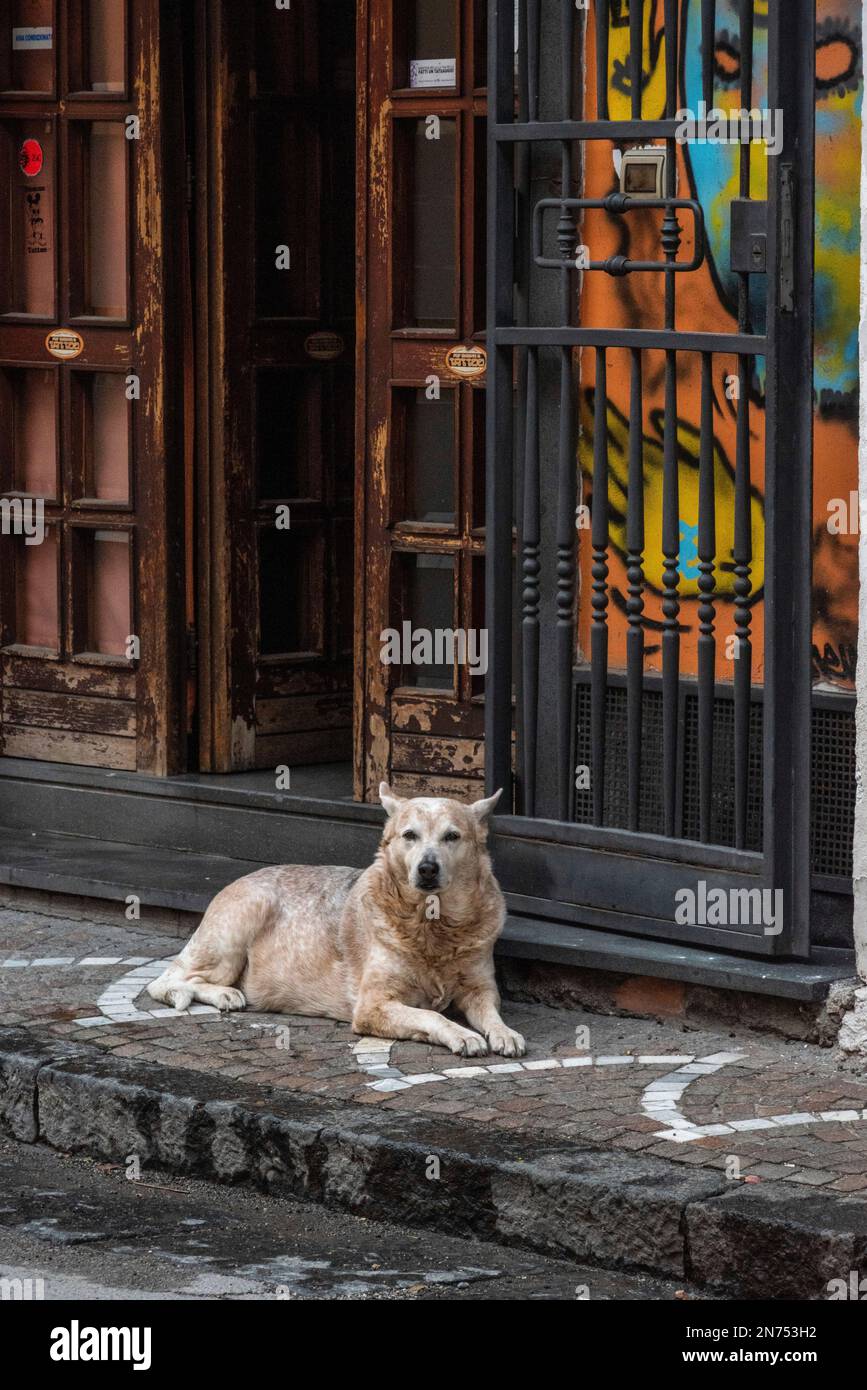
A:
{"points": [[708, 298]]}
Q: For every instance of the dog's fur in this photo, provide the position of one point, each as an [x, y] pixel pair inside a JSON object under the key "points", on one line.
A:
{"points": [[385, 950]]}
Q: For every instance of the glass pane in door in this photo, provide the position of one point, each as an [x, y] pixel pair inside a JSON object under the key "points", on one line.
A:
{"points": [[27, 166], [27, 46]]}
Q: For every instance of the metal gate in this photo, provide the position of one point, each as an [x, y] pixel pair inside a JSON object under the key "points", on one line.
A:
{"points": [[652, 793]]}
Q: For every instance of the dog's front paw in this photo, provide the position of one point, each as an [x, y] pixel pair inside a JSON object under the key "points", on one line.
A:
{"points": [[465, 1043], [226, 1000], [179, 997], [506, 1041]]}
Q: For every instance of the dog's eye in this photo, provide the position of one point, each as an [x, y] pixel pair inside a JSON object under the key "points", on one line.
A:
{"points": [[410, 835], [451, 835]]}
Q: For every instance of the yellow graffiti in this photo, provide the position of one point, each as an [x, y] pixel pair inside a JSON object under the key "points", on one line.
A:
{"points": [[652, 67], [688, 443]]}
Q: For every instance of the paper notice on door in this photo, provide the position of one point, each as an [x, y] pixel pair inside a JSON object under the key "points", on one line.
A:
{"points": [[433, 72], [31, 38]]}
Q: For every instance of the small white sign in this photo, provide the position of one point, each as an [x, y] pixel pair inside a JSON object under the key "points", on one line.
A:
{"points": [[433, 72], [33, 38]]}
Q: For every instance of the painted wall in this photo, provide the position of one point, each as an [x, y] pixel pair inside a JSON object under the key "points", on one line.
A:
{"points": [[860, 846], [707, 299]]}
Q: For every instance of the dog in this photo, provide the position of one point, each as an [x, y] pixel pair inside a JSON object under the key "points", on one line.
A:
{"points": [[387, 949]]}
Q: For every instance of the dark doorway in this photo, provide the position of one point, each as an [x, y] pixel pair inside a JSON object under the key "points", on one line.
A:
{"points": [[273, 276]]}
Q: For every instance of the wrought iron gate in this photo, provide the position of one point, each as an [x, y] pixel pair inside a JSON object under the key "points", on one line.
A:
{"points": [[692, 782]]}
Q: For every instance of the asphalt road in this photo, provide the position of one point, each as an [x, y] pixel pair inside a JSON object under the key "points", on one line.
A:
{"points": [[91, 1233]]}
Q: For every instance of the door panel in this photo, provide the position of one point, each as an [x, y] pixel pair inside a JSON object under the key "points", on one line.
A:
{"points": [[276, 589], [88, 675], [421, 447]]}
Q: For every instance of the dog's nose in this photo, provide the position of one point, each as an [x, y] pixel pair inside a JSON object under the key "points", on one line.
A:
{"points": [[428, 871]]}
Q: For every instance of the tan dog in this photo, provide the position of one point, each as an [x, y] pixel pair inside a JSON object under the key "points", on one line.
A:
{"points": [[385, 949]]}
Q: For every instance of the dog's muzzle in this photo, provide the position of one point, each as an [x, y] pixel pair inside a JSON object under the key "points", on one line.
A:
{"points": [[427, 874]]}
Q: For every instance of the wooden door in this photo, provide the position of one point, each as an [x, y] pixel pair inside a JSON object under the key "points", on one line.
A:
{"points": [[87, 489], [420, 525], [276, 334]]}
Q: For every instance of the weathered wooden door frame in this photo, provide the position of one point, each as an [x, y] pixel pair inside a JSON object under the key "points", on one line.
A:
{"points": [[218, 710], [626, 877], [420, 735], [151, 684]]}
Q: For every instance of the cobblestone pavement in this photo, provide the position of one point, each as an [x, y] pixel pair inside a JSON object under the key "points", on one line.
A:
{"points": [[758, 1107]]}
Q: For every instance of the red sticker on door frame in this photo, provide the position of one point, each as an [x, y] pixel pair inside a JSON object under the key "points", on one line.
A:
{"points": [[31, 158]]}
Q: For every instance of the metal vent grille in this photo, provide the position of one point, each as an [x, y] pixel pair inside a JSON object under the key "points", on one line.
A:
{"points": [[832, 823], [832, 760], [616, 798], [723, 794]]}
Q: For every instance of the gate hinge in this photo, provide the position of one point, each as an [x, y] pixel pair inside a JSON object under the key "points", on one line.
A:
{"points": [[787, 239]]}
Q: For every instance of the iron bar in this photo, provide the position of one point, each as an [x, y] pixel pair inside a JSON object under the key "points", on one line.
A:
{"points": [[635, 581], [532, 59], [566, 498], [671, 598], [707, 595], [599, 601], [788, 478], [602, 19], [566, 470], [515, 131], [636, 55], [745, 150], [708, 51], [742, 554], [661, 339], [531, 567]]}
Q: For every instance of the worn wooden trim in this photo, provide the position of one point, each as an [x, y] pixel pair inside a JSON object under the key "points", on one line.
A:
{"points": [[467, 789], [283, 681], [29, 673], [431, 755], [209, 611], [78, 714], [158, 203], [56, 746], [416, 714], [362, 138], [300, 713], [304, 749]]}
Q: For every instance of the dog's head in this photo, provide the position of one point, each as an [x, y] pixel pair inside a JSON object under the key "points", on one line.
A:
{"points": [[431, 842]]}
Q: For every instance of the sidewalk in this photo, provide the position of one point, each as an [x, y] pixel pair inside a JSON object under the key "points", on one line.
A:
{"points": [[733, 1159]]}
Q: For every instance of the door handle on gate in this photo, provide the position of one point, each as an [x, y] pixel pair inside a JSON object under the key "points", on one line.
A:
{"points": [[619, 203]]}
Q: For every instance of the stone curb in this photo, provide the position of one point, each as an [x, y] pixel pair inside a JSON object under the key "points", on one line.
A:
{"points": [[591, 1205]]}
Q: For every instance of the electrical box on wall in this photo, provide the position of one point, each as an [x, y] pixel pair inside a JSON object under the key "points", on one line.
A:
{"points": [[643, 172]]}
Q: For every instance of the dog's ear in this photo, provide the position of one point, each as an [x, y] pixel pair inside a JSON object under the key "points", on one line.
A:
{"points": [[482, 809], [391, 802]]}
